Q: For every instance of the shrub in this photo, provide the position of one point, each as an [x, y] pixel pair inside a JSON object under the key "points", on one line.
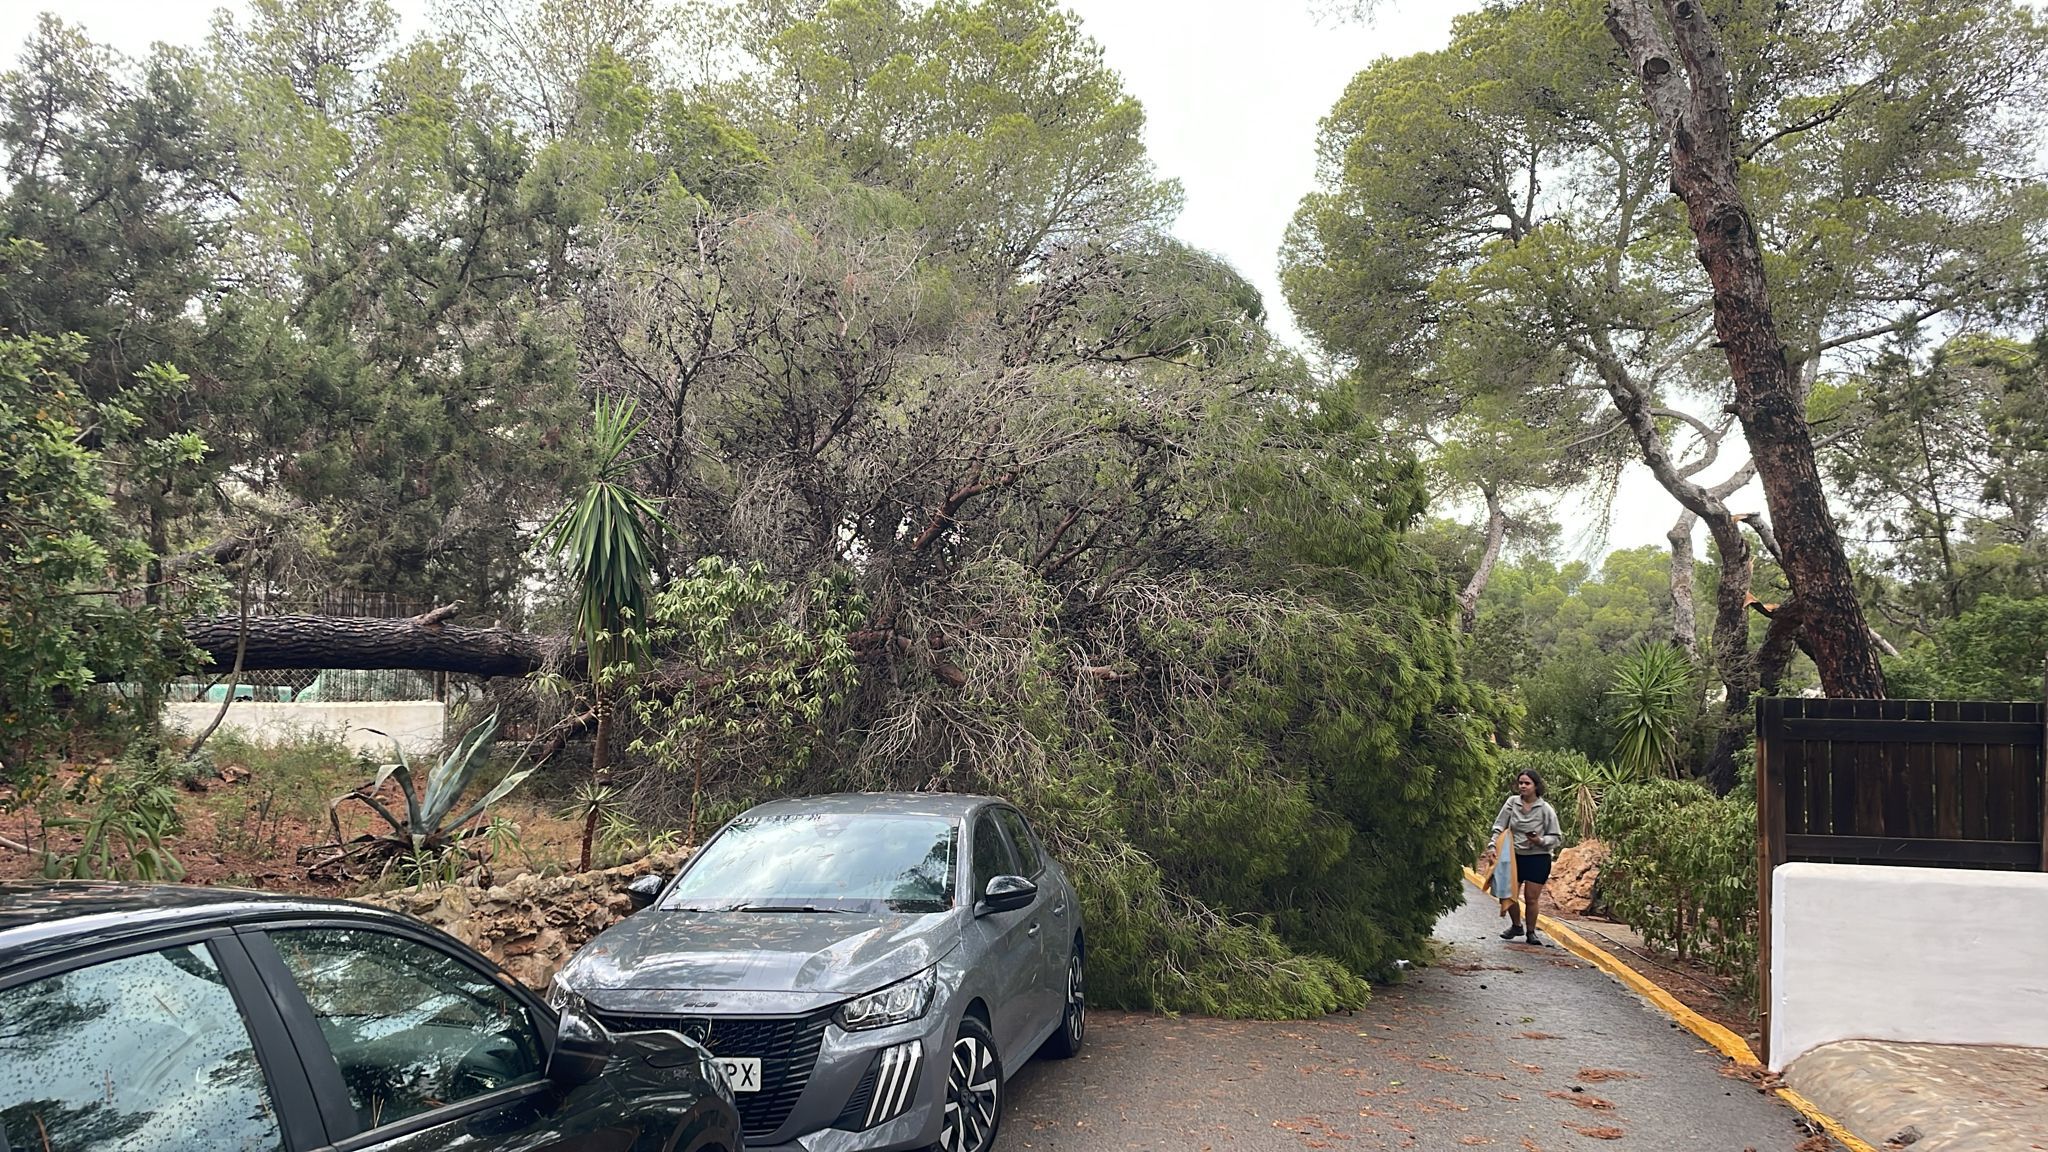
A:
{"points": [[1683, 870], [430, 826], [130, 812]]}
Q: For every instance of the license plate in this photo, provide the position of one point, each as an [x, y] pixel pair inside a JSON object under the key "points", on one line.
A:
{"points": [[742, 1072]]}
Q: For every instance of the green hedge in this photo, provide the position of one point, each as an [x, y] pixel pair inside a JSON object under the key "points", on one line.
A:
{"points": [[1683, 871]]}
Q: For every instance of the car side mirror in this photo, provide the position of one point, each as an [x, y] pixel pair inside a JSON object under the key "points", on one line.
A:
{"points": [[582, 1049], [1006, 894], [642, 893]]}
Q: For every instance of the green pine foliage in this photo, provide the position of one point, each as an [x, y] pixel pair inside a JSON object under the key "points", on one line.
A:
{"points": [[969, 475]]}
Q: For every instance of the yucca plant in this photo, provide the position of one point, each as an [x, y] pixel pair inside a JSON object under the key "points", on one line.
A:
{"points": [[1590, 789], [431, 824], [608, 536], [1650, 686]]}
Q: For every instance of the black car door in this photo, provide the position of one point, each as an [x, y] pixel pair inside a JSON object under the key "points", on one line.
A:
{"points": [[160, 1043], [412, 1048]]}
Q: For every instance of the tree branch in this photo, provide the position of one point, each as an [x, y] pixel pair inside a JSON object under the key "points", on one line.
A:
{"points": [[960, 496], [234, 677]]}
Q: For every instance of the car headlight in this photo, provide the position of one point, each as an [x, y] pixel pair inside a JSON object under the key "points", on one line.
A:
{"points": [[562, 998], [899, 1003]]}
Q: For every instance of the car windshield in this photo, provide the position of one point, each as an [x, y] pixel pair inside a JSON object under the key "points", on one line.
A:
{"points": [[824, 862]]}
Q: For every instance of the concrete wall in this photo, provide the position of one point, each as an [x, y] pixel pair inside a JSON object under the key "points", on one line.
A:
{"points": [[418, 724], [1928, 955]]}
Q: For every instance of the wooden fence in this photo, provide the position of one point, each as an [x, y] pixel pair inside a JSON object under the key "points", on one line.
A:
{"points": [[1919, 783]]}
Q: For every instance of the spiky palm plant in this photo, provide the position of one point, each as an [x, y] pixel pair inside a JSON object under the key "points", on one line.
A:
{"points": [[1650, 687], [607, 536]]}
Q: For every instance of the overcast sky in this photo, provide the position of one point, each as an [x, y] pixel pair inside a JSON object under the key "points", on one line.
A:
{"points": [[1233, 91]]}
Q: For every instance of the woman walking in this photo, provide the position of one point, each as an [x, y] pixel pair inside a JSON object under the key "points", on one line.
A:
{"points": [[1534, 832]]}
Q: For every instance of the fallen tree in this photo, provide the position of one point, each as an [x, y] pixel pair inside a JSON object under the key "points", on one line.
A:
{"points": [[425, 643]]}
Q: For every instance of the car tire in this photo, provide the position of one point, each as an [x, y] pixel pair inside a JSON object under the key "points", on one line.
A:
{"points": [[973, 1112], [1065, 1044]]}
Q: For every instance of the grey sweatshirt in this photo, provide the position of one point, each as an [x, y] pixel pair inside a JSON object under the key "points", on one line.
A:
{"points": [[1540, 821]]}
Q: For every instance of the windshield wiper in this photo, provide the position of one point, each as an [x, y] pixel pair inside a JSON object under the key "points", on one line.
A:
{"points": [[785, 908]]}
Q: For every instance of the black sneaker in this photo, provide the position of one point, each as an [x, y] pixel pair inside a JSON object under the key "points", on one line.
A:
{"points": [[1512, 931], [1538, 943]]}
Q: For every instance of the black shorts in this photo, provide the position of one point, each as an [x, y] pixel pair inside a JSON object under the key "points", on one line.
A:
{"points": [[1533, 869]]}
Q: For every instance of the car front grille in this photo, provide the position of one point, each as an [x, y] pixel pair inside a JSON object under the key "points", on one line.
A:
{"points": [[787, 1047]]}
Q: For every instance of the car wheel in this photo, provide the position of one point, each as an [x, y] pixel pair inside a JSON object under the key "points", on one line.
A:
{"points": [[974, 1092], [1066, 1042]]}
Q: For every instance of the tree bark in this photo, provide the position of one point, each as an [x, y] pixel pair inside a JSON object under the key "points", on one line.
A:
{"points": [[1694, 106], [1732, 660], [227, 699], [1496, 531], [345, 642], [600, 770], [1685, 625]]}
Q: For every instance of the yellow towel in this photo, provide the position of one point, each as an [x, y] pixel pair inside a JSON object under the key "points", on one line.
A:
{"points": [[1506, 881]]}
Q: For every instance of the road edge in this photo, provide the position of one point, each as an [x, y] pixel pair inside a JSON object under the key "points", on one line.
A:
{"points": [[1725, 1042]]}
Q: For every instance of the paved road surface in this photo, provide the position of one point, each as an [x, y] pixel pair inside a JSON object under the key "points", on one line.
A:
{"points": [[1504, 1046]]}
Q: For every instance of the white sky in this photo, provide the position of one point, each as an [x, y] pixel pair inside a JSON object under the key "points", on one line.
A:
{"points": [[1233, 93]]}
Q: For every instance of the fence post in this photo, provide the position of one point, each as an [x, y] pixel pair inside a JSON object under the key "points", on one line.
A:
{"points": [[1766, 821]]}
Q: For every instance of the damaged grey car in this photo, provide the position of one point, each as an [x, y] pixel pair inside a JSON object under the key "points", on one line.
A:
{"points": [[868, 969]]}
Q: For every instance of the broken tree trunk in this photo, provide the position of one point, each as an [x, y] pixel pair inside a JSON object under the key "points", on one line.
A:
{"points": [[422, 643]]}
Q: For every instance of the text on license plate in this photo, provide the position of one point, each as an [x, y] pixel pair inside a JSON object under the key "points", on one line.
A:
{"points": [[742, 1072]]}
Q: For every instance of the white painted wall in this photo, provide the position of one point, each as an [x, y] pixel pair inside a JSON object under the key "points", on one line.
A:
{"points": [[418, 724], [1927, 955]]}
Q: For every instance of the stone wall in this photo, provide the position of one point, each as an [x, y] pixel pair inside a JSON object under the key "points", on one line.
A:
{"points": [[420, 725], [529, 924]]}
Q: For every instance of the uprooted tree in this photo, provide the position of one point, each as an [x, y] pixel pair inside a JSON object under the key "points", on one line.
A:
{"points": [[1044, 509]]}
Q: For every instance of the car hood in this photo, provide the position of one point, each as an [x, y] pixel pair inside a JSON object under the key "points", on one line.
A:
{"points": [[821, 953]]}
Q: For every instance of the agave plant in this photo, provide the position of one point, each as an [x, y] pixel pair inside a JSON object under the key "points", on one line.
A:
{"points": [[431, 823]]}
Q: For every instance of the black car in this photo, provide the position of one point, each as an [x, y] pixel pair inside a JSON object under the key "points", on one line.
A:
{"points": [[140, 1018]]}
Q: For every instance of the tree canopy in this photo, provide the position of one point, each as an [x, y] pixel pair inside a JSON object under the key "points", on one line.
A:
{"points": [[969, 475], [1496, 233]]}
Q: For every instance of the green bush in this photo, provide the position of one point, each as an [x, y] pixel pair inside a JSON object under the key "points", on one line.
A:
{"points": [[1991, 652], [129, 813], [1151, 950], [1683, 870]]}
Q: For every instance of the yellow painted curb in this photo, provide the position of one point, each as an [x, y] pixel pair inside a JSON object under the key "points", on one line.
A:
{"points": [[1725, 1042]]}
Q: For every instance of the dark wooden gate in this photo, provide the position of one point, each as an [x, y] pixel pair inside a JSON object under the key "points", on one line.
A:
{"points": [[1920, 783]]}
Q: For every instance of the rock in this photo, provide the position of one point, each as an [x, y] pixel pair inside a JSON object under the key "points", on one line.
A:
{"points": [[1907, 1135], [1575, 878], [528, 923]]}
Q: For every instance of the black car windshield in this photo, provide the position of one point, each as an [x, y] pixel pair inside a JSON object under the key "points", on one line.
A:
{"points": [[825, 861]]}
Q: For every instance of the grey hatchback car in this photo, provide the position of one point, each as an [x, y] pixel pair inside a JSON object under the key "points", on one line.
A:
{"points": [[868, 969]]}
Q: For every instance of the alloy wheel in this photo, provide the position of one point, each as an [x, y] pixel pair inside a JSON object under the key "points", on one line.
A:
{"points": [[974, 1087], [1077, 1001]]}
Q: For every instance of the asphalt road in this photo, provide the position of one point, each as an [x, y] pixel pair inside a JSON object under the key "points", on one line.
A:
{"points": [[1502, 1046]]}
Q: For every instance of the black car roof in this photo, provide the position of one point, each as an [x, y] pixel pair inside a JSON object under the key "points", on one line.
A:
{"points": [[41, 916]]}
